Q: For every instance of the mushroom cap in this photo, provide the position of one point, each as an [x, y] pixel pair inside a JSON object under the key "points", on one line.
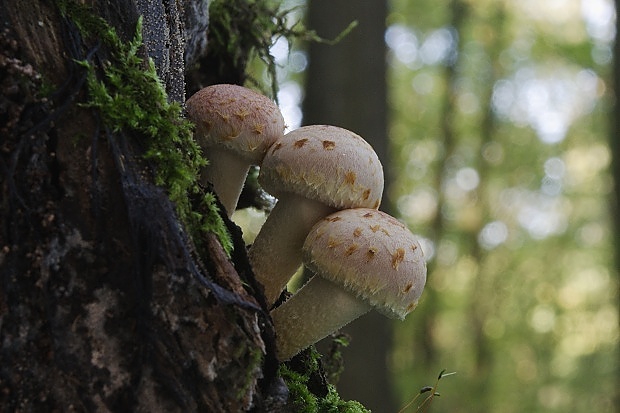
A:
{"points": [[370, 254], [325, 163], [236, 118]]}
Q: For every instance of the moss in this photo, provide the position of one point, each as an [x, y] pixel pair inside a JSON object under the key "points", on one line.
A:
{"points": [[131, 98], [254, 364], [333, 363], [303, 396]]}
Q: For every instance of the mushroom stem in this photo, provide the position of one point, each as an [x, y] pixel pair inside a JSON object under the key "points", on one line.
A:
{"points": [[275, 254], [318, 309], [226, 172]]}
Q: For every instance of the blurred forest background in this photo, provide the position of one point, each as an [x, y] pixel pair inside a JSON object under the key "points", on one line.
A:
{"points": [[493, 121]]}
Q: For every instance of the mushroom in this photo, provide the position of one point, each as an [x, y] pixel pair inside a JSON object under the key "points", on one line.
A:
{"points": [[235, 126], [362, 259], [312, 171]]}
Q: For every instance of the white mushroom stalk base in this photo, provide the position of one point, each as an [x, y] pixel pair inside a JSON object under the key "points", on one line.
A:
{"points": [[275, 254], [318, 309], [226, 172]]}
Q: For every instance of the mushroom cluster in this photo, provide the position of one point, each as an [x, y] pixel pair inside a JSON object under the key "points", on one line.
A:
{"points": [[328, 182], [312, 171]]}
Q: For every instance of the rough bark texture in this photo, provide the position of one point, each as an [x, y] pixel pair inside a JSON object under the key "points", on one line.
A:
{"points": [[104, 304]]}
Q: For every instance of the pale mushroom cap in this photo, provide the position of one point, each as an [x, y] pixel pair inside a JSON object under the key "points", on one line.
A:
{"points": [[326, 163], [236, 118], [371, 254]]}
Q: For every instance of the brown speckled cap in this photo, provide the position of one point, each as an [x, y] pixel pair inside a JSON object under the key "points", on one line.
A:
{"points": [[236, 118], [325, 163], [371, 254]]}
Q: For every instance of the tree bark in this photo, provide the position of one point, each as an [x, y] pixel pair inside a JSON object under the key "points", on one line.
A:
{"points": [[105, 304], [346, 87]]}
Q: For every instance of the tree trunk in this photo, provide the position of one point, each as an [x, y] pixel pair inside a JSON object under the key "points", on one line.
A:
{"points": [[614, 144], [346, 87], [104, 302]]}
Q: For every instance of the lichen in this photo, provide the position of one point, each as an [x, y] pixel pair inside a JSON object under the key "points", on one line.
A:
{"points": [[254, 365], [130, 97]]}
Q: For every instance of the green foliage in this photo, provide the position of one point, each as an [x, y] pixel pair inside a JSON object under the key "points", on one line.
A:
{"points": [[131, 98], [304, 401], [209, 220], [537, 309], [241, 30], [333, 362], [332, 403]]}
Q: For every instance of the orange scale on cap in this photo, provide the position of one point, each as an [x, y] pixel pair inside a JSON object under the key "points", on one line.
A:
{"points": [[242, 113], [351, 249], [333, 243], [411, 307], [232, 136], [223, 116], [349, 178], [207, 124], [259, 128], [371, 253], [329, 145], [397, 257]]}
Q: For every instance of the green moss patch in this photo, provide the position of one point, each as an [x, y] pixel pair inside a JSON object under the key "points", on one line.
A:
{"points": [[309, 392], [131, 98]]}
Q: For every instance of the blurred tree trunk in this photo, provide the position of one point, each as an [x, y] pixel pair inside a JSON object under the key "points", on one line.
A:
{"points": [[481, 305], [347, 88], [104, 304], [614, 143]]}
